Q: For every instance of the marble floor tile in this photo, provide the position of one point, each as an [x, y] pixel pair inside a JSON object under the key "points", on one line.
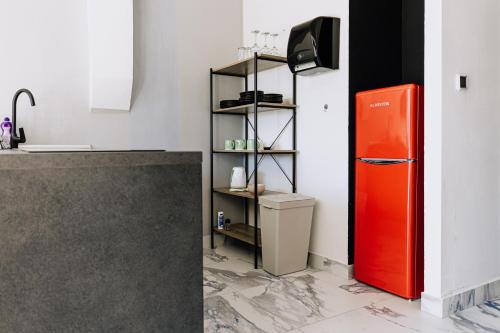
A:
{"points": [[311, 297], [222, 317], [397, 315], [237, 280], [342, 295], [482, 318], [401, 312], [285, 304], [230, 258], [356, 321], [239, 298], [213, 286]]}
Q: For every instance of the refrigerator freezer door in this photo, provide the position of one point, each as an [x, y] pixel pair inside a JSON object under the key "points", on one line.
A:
{"points": [[385, 211], [387, 122]]}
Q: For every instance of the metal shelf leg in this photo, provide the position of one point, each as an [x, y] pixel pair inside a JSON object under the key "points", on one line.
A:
{"points": [[212, 241], [256, 163]]}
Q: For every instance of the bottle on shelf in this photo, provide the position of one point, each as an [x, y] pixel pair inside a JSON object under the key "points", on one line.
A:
{"points": [[220, 220]]}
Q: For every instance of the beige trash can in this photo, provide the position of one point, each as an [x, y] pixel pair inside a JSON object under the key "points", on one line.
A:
{"points": [[286, 229]]}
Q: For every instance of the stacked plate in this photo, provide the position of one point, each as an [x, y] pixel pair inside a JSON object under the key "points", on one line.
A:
{"points": [[248, 97], [229, 103], [273, 98]]}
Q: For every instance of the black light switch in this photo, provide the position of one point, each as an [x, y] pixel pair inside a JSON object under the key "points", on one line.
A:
{"points": [[463, 82]]}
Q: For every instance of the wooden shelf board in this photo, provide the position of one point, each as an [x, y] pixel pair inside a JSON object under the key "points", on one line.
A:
{"points": [[247, 195], [261, 152], [242, 232], [263, 107], [245, 67]]}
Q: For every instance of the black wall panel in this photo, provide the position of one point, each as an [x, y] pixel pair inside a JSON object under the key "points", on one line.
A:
{"points": [[386, 48], [413, 41]]}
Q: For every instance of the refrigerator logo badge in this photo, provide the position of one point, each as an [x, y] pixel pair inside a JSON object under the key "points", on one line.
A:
{"points": [[380, 105]]}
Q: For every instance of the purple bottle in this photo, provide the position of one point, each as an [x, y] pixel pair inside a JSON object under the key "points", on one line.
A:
{"points": [[6, 128]]}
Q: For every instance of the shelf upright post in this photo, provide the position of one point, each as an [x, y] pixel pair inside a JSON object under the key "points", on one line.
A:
{"points": [[256, 163], [294, 167], [246, 155], [212, 242]]}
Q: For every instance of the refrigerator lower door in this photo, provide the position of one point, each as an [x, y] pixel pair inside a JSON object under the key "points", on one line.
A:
{"points": [[385, 225]]}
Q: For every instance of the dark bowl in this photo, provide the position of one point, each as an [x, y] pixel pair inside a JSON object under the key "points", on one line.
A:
{"points": [[273, 98], [251, 100], [251, 93], [229, 103]]}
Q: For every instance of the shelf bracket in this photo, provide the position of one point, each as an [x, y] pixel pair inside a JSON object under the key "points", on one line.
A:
{"points": [[251, 175], [253, 128], [282, 131], [282, 169], [279, 134]]}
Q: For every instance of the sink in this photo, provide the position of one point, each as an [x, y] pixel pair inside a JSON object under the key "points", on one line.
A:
{"points": [[54, 148]]}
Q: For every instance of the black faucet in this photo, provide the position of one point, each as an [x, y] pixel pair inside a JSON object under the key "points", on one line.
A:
{"points": [[16, 140]]}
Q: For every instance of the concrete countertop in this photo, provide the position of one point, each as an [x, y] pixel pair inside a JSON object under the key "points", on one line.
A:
{"points": [[17, 159], [101, 241]]}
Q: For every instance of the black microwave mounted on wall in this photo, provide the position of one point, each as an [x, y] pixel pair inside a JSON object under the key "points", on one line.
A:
{"points": [[314, 46]]}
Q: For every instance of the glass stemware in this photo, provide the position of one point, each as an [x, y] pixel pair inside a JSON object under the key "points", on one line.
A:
{"points": [[242, 53], [248, 52], [265, 48], [255, 47], [275, 51]]}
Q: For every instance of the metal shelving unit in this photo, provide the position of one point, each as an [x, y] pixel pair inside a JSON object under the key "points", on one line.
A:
{"points": [[242, 69]]}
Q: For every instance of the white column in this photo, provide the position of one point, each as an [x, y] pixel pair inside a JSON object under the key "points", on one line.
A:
{"points": [[431, 299]]}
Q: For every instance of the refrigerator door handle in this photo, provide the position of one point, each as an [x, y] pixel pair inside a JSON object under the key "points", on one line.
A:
{"points": [[384, 161]]}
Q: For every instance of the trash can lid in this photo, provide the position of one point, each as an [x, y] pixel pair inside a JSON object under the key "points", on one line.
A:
{"points": [[286, 201]]}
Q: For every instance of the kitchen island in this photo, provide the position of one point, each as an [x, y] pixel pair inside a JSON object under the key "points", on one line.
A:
{"points": [[101, 242]]}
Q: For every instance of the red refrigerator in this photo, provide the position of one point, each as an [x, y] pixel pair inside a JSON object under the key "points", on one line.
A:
{"points": [[388, 245]]}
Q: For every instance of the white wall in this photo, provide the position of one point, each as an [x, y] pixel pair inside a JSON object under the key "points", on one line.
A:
{"points": [[471, 120], [204, 40], [45, 49], [322, 136], [462, 247]]}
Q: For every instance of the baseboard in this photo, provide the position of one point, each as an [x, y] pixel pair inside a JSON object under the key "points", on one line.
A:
{"points": [[446, 306], [335, 267]]}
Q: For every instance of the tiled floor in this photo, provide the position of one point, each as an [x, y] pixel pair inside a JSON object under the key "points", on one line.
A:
{"points": [[240, 299]]}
